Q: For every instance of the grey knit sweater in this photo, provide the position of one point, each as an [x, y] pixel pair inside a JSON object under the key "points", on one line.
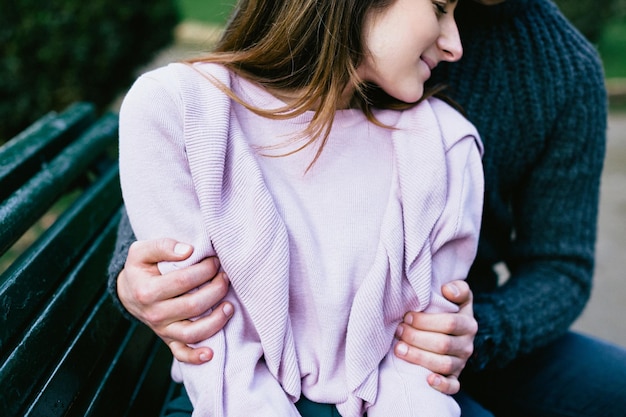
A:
{"points": [[534, 88]]}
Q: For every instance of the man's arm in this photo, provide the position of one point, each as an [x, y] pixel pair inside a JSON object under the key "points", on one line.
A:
{"points": [[164, 302]]}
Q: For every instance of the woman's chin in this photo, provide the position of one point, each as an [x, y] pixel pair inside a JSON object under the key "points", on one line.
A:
{"points": [[411, 96]]}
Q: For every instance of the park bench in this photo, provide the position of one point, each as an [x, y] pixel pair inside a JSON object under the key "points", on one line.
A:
{"points": [[65, 349]]}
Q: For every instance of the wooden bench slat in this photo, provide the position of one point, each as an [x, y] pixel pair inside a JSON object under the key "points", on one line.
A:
{"points": [[49, 258], [79, 362], [20, 210], [152, 392], [47, 338], [115, 392], [22, 156], [65, 348]]}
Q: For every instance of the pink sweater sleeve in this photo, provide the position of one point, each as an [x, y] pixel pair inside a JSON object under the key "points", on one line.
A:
{"points": [[161, 200], [454, 247], [455, 238], [156, 182]]}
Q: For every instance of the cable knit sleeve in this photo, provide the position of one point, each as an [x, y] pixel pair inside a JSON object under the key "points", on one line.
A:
{"points": [[554, 212], [555, 242], [125, 238]]}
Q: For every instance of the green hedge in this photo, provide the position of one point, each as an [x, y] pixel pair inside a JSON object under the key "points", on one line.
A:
{"points": [[55, 52]]}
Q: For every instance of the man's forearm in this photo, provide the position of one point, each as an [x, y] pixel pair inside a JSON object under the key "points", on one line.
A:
{"points": [[125, 237]]}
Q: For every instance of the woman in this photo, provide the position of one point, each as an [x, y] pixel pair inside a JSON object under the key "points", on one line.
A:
{"points": [[289, 150]]}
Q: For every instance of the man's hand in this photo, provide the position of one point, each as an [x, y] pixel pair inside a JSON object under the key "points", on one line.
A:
{"points": [[440, 342], [164, 303]]}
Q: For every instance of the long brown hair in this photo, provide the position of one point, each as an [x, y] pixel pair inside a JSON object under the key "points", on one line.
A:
{"points": [[309, 46]]}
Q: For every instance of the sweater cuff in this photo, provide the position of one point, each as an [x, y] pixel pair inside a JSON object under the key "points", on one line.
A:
{"points": [[495, 342], [125, 238]]}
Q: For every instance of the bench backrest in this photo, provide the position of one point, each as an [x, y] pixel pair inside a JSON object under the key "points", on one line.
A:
{"points": [[65, 350]]}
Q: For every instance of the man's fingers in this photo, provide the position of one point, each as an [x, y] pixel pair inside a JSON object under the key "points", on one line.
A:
{"points": [[157, 250], [457, 292], [180, 334], [166, 302], [183, 280], [188, 354], [194, 331], [440, 364], [439, 343], [426, 340], [164, 311], [445, 323], [447, 385]]}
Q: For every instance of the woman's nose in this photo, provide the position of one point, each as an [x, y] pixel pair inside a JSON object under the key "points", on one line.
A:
{"points": [[449, 41]]}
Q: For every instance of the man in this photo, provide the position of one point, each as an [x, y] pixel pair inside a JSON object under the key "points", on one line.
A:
{"points": [[534, 88]]}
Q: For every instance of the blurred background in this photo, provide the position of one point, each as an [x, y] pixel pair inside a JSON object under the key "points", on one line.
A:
{"points": [[57, 52]]}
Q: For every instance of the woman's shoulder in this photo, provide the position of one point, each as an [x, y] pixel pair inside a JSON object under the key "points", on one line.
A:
{"points": [[182, 73], [446, 112], [186, 84], [183, 93], [451, 123]]}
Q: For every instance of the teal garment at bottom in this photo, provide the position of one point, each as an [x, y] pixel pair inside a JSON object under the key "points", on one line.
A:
{"points": [[308, 408], [180, 406]]}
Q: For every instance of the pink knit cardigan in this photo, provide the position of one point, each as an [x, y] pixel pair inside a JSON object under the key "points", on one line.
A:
{"points": [[188, 172]]}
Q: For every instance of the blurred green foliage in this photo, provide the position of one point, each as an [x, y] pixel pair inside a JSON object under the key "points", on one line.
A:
{"points": [[612, 47], [208, 11], [55, 52], [589, 16], [603, 23], [592, 16]]}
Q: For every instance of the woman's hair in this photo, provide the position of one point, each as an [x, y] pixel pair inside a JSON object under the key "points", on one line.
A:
{"points": [[309, 46]]}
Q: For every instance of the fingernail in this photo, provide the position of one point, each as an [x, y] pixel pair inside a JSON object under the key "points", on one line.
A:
{"points": [[228, 310], [204, 357], [453, 288], [226, 278], [402, 349], [181, 248], [436, 381], [408, 319]]}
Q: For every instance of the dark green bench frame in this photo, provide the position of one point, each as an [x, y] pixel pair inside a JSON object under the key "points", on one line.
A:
{"points": [[65, 349]]}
